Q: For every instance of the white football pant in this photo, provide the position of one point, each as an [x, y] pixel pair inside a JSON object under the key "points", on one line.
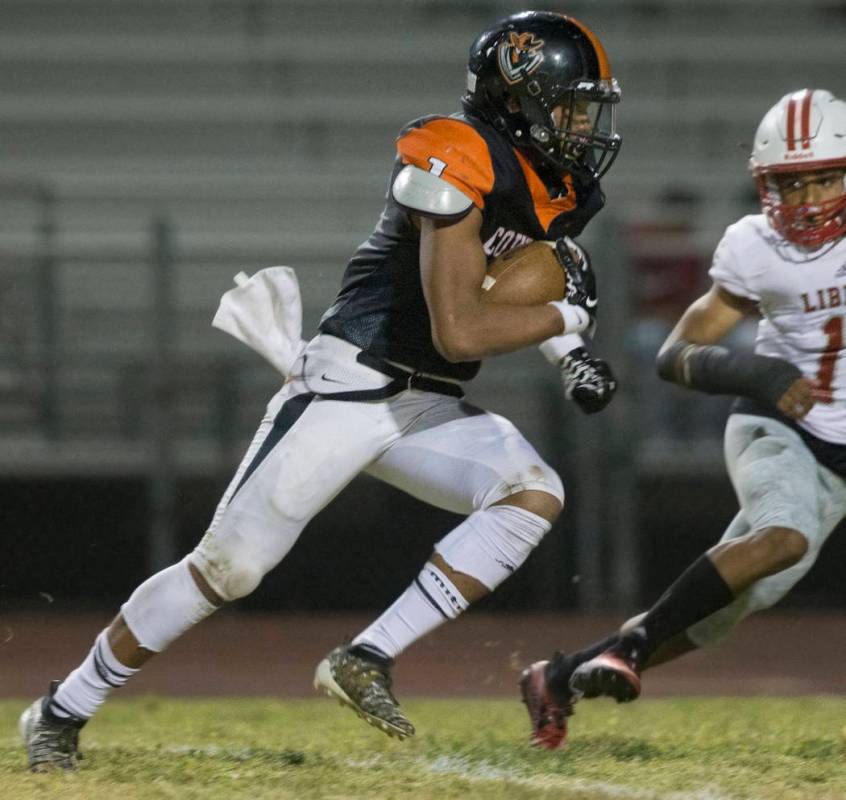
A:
{"points": [[437, 448]]}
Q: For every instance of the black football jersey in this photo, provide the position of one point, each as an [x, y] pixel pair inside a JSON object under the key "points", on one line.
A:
{"points": [[381, 307]]}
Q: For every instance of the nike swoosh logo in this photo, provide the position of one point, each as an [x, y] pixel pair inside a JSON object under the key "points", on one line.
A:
{"points": [[324, 377]]}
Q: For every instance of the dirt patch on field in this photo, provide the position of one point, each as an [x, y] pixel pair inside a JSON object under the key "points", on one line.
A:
{"points": [[478, 656]]}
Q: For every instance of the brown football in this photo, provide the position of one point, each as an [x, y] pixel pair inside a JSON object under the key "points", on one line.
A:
{"points": [[525, 276]]}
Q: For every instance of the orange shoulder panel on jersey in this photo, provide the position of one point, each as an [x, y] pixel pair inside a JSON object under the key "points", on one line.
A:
{"points": [[546, 209], [452, 150]]}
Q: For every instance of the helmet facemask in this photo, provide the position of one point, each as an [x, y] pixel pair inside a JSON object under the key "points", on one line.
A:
{"points": [[576, 132], [807, 225]]}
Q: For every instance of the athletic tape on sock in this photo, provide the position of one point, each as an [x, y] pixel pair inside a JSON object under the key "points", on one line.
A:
{"points": [[431, 600], [85, 689], [440, 591]]}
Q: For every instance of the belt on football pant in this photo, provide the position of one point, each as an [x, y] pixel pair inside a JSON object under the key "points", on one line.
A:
{"points": [[403, 379]]}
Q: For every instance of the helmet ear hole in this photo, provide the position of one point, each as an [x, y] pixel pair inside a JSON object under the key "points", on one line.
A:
{"points": [[495, 87]]}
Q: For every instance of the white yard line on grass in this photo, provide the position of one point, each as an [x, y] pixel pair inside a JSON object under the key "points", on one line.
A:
{"points": [[484, 772]]}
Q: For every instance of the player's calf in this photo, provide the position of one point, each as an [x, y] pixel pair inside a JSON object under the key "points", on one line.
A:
{"points": [[771, 550]]}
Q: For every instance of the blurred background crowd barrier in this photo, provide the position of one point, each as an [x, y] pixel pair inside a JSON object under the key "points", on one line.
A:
{"points": [[151, 149]]}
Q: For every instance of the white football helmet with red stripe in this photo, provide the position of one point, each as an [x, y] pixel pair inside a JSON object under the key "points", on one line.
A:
{"points": [[804, 132]]}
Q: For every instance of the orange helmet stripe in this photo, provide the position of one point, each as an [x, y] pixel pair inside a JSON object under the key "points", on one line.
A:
{"points": [[601, 55]]}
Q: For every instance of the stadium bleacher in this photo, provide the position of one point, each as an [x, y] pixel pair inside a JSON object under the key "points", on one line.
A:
{"points": [[263, 133]]}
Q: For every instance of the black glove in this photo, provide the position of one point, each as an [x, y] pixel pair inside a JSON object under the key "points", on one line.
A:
{"points": [[581, 282], [588, 381]]}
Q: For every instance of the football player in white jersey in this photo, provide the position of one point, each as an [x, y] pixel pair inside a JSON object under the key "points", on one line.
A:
{"points": [[785, 440]]}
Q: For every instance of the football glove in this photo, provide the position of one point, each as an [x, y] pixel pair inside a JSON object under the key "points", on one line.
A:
{"points": [[581, 282], [588, 381]]}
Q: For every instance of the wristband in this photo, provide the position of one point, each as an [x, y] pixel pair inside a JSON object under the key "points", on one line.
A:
{"points": [[576, 319], [557, 347]]}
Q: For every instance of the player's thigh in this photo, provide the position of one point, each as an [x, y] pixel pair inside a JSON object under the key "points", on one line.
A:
{"points": [[780, 484], [460, 458], [296, 465], [775, 476]]}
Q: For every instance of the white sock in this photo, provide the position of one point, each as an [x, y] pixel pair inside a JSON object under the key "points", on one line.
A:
{"points": [[429, 602], [85, 689]]}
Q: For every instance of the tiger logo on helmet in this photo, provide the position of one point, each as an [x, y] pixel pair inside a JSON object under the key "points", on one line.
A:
{"points": [[520, 54]]}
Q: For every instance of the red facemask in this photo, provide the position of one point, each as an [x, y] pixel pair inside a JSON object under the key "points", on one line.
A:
{"points": [[809, 226]]}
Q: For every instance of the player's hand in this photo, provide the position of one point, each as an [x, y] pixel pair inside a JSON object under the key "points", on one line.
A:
{"points": [[581, 282], [799, 399], [588, 381]]}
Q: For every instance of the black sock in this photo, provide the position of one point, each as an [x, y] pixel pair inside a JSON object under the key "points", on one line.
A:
{"points": [[698, 592], [561, 665]]}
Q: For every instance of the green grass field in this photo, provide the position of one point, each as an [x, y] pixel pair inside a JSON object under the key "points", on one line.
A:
{"points": [[688, 749]]}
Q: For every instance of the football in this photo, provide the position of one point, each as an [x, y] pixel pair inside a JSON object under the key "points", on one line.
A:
{"points": [[525, 276]]}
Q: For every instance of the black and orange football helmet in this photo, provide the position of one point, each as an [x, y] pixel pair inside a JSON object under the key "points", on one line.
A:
{"points": [[544, 80]]}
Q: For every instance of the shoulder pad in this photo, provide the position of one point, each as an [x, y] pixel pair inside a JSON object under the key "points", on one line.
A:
{"points": [[425, 192], [453, 151]]}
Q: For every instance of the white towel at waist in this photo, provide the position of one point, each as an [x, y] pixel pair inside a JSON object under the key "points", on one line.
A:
{"points": [[265, 312]]}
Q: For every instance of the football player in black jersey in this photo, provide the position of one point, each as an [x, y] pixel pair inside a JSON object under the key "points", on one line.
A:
{"points": [[378, 390]]}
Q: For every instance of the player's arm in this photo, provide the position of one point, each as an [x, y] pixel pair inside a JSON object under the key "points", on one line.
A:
{"points": [[444, 186], [464, 326], [691, 357]]}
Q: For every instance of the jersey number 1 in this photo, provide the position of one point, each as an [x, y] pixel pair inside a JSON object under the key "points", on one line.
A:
{"points": [[437, 166], [834, 332]]}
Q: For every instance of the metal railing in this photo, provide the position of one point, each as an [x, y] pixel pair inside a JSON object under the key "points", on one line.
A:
{"points": [[168, 412]]}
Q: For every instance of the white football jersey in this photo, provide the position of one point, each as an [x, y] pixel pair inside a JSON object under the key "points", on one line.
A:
{"points": [[802, 299]]}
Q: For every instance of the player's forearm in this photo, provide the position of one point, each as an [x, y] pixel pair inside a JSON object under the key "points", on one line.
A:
{"points": [[490, 329], [718, 370]]}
